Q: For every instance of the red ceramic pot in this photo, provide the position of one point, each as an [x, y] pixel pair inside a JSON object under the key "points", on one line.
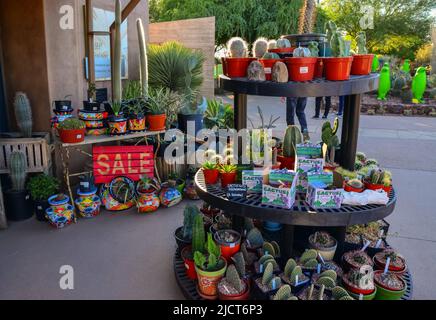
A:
{"points": [[211, 176], [236, 67], [228, 178], [72, 136], [362, 64], [387, 189], [156, 122], [243, 296], [349, 188], [286, 163], [350, 287], [282, 50], [381, 266], [337, 69], [268, 65], [228, 250], [319, 69], [372, 186], [189, 263], [301, 69]]}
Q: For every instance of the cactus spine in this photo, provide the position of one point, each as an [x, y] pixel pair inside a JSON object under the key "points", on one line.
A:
{"points": [[117, 87], [293, 137], [23, 114], [232, 277], [314, 48], [198, 235], [143, 58], [189, 214], [237, 47], [260, 47], [17, 167], [337, 45]]}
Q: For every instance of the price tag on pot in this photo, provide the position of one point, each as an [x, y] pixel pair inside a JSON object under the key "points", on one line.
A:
{"points": [[322, 259], [27, 197], [318, 268], [236, 191], [79, 136], [268, 70], [388, 262], [304, 70]]}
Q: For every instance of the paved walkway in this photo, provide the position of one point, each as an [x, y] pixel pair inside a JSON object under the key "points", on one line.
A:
{"points": [[129, 256]]}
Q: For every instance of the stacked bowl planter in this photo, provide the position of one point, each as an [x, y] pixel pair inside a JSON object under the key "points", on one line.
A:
{"points": [[94, 118]]}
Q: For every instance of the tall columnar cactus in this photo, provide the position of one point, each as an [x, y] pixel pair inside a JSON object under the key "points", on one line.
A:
{"points": [[189, 214], [331, 29], [23, 114], [361, 43], [117, 87], [293, 137], [237, 47], [330, 139], [143, 57], [198, 235], [17, 167], [260, 47], [239, 261], [314, 48], [337, 45], [307, 16]]}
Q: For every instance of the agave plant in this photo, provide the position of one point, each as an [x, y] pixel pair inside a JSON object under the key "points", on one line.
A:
{"points": [[218, 115]]}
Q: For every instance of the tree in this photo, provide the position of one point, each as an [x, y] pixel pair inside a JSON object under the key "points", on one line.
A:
{"points": [[401, 27], [248, 19]]}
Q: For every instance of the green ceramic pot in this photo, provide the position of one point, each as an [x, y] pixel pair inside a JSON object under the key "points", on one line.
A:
{"points": [[385, 294], [370, 296]]}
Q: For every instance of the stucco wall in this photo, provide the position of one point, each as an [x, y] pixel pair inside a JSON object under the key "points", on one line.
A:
{"points": [[195, 34]]}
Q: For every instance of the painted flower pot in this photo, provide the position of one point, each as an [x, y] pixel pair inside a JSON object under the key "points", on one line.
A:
{"points": [[110, 203], [88, 205], [90, 115], [319, 69], [91, 106], [147, 203], [236, 67], [156, 122], [337, 69], [59, 219], [301, 69], [208, 280], [190, 268], [236, 297], [59, 204], [170, 197], [268, 65], [286, 163], [228, 178], [72, 136], [228, 249], [362, 64], [96, 132], [384, 293], [89, 213], [117, 126], [211, 175], [94, 124], [137, 124]]}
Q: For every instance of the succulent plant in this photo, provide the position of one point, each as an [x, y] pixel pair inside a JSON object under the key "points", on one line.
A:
{"points": [[72, 124], [311, 264], [330, 139], [260, 47], [370, 162], [284, 293], [268, 278], [314, 48], [198, 235], [17, 170], [361, 43], [267, 258], [271, 55], [302, 52], [255, 238], [339, 292], [328, 282], [380, 177], [330, 274], [237, 47], [361, 157], [331, 28], [23, 114], [239, 261], [283, 43], [289, 267], [346, 173], [355, 183], [232, 277], [189, 214], [322, 239], [308, 255], [337, 45], [293, 137], [296, 272], [212, 261]]}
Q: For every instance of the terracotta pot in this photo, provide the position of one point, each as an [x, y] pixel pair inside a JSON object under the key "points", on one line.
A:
{"points": [[362, 64], [301, 69], [268, 65], [381, 266], [190, 268], [286, 163], [236, 67], [227, 178], [387, 189], [156, 122], [372, 186], [211, 175], [319, 68], [349, 188], [244, 296], [72, 136], [337, 69], [350, 287], [208, 280], [228, 250]]}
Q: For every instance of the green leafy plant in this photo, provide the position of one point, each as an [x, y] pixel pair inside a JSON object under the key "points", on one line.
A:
{"points": [[218, 115], [116, 108], [92, 90], [208, 165], [157, 100], [212, 260], [132, 90], [42, 186], [228, 168], [72, 124]]}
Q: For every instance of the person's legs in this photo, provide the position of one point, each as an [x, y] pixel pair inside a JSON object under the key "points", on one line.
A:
{"points": [[291, 105], [301, 115], [328, 104], [317, 107], [341, 105]]}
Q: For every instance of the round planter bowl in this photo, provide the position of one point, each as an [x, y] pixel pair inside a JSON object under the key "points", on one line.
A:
{"points": [[362, 64], [189, 264], [326, 253], [241, 297], [268, 65], [211, 175], [286, 163], [386, 294], [349, 188], [301, 69], [72, 136], [181, 242], [381, 266], [53, 202], [227, 178], [208, 280], [236, 67], [337, 69], [374, 187], [89, 115], [370, 296], [228, 250], [156, 122]]}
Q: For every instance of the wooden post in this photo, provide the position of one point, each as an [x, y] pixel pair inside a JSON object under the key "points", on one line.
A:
{"points": [[3, 221], [90, 43]]}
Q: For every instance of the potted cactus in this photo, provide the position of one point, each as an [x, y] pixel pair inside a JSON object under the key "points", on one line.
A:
{"points": [[41, 187], [72, 130], [354, 185], [324, 244], [284, 294], [236, 64], [301, 66], [198, 242], [359, 283], [331, 142], [229, 242], [210, 172], [259, 266], [210, 268], [319, 66], [281, 46], [293, 137], [397, 264], [232, 287], [117, 122], [18, 205], [228, 174], [183, 234], [313, 293], [309, 261], [268, 284], [356, 259], [268, 60], [260, 47], [338, 66], [389, 286], [293, 275], [379, 179], [254, 240], [91, 105], [362, 61]]}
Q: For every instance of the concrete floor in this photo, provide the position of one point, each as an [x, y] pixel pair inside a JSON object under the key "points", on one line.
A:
{"points": [[129, 256]]}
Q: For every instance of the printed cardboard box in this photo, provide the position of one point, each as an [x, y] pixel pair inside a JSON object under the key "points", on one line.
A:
{"points": [[324, 177], [283, 177], [319, 198], [253, 179], [309, 150], [303, 166], [280, 197]]}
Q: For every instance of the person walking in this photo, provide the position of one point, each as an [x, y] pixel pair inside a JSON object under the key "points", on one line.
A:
{"points": [[297, 106], [328, 105], [341, 106]]}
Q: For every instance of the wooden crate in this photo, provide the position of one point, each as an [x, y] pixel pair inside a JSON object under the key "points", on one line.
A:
{"points": [[37, 149]]}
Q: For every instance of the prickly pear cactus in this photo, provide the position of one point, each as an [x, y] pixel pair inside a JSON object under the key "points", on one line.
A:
{"points": [[274, 283], [284, 293], [239, 261], [311, 264], [268, 274], [329, 283], [289, 267], [330, 274], [308, 255], [232, 277], [339, 292]]}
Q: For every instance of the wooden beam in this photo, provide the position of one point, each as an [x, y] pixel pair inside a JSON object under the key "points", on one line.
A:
{"points": [[89, 29]]}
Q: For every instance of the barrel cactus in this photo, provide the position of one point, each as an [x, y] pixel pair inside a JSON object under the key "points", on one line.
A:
{"points": [[17, 168], [237, 47], [302, 52], [23, 114], [293, 137], [283, 43], [271, 55], [260, 47]]}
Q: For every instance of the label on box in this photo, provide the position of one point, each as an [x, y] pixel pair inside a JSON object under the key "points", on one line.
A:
{"points": [[283, 178], [236, 191], [279, 197], [318, 198], [305, 166], [324, 177], [304, 70], [253, 180], [309, 150]]}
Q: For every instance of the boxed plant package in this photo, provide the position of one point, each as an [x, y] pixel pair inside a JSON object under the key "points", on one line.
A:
{"points": [[309, 150], [303, 167], [253, 179], [320, 197], [283, 178], [324, 176], [280, 196]]}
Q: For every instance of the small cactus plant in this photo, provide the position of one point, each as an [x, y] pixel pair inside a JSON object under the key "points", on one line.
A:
{"points": [[337, 45], [284, 293], [271, 55], [239, 261], [330, 139], [232, 277], [283, 43], [260, 47], [355, 183], [361, 43], [198, 235], [293, 137], [289, 267], [254, 238], [314, 48], [308, 255], [271, 248], [237, 47], [17, 167], [339, 292], [272, 44], [23, 114], [302, 52]]}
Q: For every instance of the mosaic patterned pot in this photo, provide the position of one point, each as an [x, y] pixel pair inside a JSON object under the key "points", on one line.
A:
{"points": [[88, 206], [170, 197], [60, 219], [59, 205], [110, 203], [87, 115], [96, 132], [94, 124], [137, 124], [117, 126], [148, 203]]}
